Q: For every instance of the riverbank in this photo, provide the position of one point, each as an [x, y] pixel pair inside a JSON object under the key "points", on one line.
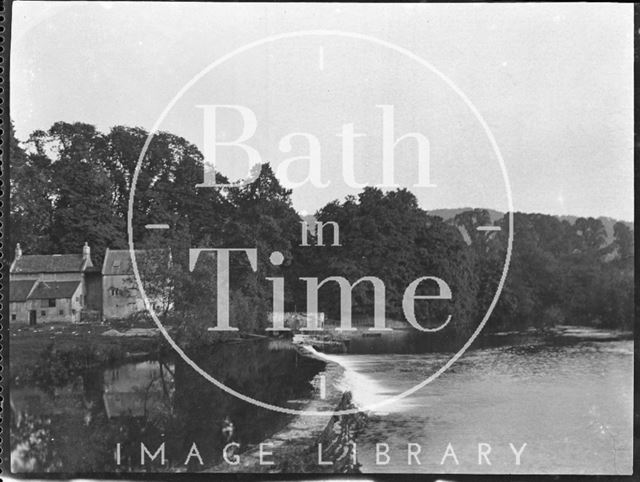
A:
{"points": [[83, 345], [587, 333], [92, 345], [403, 339]]}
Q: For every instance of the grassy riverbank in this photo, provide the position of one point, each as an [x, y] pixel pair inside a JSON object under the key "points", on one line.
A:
{"points": [[86, 343], [77, 344]]}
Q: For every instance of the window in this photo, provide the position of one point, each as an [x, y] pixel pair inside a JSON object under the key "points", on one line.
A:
{"points": [[43, 313], [52, 302], [61, 312], [13, 317], [114, 291]]}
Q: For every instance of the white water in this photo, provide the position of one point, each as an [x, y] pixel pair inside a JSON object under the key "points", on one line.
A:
{"points": [[366, 391]]}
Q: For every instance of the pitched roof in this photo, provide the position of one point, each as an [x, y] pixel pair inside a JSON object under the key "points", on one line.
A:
{"points": [[50, 263], [54, 289], [19, 290], [118, 261]]}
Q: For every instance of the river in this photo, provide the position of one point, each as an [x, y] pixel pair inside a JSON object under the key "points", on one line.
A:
{"points": [[78, 426], [571, 403]]}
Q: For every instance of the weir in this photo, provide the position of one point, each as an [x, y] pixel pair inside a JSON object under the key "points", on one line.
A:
{"points": [[311, 443]]}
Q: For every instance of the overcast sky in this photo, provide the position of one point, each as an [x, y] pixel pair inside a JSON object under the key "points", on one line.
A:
{"points": [[553, 83]]}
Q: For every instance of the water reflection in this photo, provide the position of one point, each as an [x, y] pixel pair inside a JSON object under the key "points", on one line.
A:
{"points": [[75, 427], [570, 401], [139, 389]]}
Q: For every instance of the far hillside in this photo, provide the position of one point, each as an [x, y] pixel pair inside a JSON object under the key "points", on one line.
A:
{"points": [[608, 223]]}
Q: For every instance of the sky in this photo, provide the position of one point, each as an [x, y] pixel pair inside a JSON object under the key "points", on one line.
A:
{"points": [[552, 83]]}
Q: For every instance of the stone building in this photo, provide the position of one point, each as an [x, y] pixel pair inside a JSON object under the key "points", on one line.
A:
{"points": [[19, 291], [120, 294], [55, 301], [52, 287]]}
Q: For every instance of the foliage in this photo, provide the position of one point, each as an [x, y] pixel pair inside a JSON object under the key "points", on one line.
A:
{"points": [[72, 183], [563, 273], [388, 236]]}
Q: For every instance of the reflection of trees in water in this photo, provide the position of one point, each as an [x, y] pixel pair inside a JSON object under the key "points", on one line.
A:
{"points": [[53, 443], [156, 396], [65, 425], [75, 427], [251, 368], [30, 451]]}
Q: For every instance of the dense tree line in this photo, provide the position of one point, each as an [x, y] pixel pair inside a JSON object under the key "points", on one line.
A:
{"points": [[71, 184], [566, 273]]}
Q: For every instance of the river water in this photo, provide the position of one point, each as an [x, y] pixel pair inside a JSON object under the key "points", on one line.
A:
{"points": [[96, 420], [571, 403]]}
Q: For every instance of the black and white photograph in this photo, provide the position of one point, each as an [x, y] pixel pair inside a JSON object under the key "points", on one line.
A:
{"points": [[353, 239]]}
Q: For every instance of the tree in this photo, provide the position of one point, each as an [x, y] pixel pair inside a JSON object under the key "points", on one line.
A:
{"points": [[72, 184], [388, 236], [30, 196], [623, 241], [258, 215], [165, 190], [84, 193], [262, 217], [590, 235]]}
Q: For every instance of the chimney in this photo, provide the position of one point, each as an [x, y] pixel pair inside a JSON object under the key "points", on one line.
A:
{"points": [[18, 253], [86, 251]]}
